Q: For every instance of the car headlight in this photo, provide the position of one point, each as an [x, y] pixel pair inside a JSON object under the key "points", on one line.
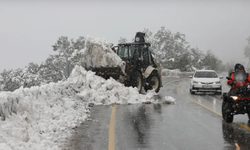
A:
{"points": [[218, 82], [196, 82], [234, 97]]}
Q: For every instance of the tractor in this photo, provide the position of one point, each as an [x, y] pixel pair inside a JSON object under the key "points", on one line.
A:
{"points": [[141, 69]]}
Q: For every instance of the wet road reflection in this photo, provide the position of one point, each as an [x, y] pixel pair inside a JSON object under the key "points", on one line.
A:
{"points": [[158, 108], [236, 136], [185, 125], [214, 104], [141, 123], [137, 126]]}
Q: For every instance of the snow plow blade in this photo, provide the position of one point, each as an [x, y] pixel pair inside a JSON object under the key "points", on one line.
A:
{"points": [[107, 72]]}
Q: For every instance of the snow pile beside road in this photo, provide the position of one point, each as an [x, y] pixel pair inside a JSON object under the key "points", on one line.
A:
{"points": [[98, 53], [100, 91], [168, 100], [43, 117]]}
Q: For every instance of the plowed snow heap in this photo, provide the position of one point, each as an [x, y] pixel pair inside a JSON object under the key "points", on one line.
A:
{"points": [[99, 57]]}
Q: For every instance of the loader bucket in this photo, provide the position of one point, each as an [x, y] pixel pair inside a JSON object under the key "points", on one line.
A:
{"points": [[107, 72]]}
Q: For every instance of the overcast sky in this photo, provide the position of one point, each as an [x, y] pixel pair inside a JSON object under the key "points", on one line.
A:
{"points": [[29, 28]]}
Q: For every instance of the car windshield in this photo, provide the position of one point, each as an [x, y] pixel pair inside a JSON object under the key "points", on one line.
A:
{"points": [[205, 74]]}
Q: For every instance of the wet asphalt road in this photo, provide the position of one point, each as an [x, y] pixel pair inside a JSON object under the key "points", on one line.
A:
{"points": [[193, 123]]}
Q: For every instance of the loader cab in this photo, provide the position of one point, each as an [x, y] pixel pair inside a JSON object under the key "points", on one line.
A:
{"points": [[141, 68], [137, 54]]}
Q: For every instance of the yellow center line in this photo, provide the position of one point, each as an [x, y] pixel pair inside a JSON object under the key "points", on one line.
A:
{"points": [[204, 106], [240, 124], [225, 83], [244, 126], [181, 91], [112, 129]]}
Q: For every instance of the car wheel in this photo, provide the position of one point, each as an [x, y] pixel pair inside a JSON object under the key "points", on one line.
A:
{"points": [[191, 92]]}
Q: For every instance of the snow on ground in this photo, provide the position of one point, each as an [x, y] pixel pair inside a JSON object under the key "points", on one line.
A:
{"points": [[168, 100], [43, 117]]}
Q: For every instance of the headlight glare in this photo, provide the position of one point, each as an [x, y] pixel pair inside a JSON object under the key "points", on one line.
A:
{"points": [[234, 97]]}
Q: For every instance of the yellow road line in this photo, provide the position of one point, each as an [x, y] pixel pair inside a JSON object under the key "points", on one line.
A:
{"points": [[225, 83], [181, 91], [240, 124], [204, 106], [112, 129]]}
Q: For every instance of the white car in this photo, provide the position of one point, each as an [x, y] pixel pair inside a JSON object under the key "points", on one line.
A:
{"points": [[205, 81]]}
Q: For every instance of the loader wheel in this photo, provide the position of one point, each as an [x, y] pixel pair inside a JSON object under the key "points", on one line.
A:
{"points": [[154, 82], [136, 80], [191, 92]]}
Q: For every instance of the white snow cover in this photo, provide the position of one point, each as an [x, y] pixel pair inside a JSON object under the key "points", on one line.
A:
{"points": [[43, 117], [168, 100], [98, 53]]}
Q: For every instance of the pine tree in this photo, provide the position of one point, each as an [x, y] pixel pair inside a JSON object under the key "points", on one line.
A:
{"points": [[65, 48]]}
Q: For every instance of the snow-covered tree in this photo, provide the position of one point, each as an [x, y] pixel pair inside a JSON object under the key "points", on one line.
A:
{"points": [[196, 57], [169, 47], [210, 61], [51, 70], [79, 44], [174, 52], [122, 40], [31, 76], [184, 62], [65, 48], [11, 79], [149, 37], [68, 53]]}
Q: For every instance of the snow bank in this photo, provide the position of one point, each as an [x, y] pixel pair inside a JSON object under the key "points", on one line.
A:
{"points": [[168, 100], [98, 53], [43, 117]]}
